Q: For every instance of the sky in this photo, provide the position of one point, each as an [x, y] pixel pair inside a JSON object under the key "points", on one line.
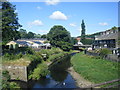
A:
{"points": [[40, 17]]}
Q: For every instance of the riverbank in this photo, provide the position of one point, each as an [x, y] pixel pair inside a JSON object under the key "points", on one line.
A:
{"points": [[91, 70], [80, 81]]}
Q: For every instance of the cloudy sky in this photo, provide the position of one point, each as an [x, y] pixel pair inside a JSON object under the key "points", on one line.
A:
{"points": [[39, 17]]}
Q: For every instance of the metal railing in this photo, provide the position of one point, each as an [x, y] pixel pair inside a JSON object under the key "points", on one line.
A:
{"points": [[113, 82]]}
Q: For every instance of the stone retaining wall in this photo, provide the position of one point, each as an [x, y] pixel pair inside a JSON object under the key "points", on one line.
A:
{"points": [[112, 57], [17, 72]]}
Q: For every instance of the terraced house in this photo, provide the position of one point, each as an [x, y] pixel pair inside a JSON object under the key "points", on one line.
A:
{"points": [[107, 39]]}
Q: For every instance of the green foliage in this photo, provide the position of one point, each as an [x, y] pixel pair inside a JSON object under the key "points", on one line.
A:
{"points": [[5, 78], [8, 56], [18, 56], [40, 71], [9, 22], [30, 35], [56, 56], [114, 28], [46, 41], [103, 52], [14, 85], [95, 70], [23, 33], [66, 46], [87, 41], [5, 81], [5, 75], [73, 40], [37, 36], [83, 31], [44, 36], [58, 35]]}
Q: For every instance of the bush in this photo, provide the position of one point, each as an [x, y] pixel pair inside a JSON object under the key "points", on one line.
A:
{"points": [[14, 85], [40, 71], [5, 78], [103, 52], [66, 46], [19, 55], [56, 56], [8, 56], [30, 51]]}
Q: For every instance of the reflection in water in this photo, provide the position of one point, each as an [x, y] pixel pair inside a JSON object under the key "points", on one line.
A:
{"points": [[59, 76], [61, 64]]}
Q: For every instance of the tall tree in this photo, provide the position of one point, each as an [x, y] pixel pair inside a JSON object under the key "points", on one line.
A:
{"points": [[83, 32], [59, 37], [30, 35], [23, 33], [9, 22]]}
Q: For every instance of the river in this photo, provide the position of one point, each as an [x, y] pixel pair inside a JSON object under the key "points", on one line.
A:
{"points": [[58, 77]]}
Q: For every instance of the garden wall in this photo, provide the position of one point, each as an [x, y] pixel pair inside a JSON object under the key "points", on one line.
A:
{"points": [[111, 57]]}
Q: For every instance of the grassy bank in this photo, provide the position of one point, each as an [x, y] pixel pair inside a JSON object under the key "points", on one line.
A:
{"points": [[94, 70], [42, 68]]}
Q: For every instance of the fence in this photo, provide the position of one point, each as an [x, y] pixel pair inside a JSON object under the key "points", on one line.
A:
{"points": [[105, 84]]}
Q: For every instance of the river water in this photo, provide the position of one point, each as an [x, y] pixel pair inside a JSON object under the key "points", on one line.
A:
{"points": [[57, 78]]}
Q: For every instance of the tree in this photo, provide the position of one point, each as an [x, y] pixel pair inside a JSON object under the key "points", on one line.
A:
{"points": [[73, 40], [44, 36], [59, 37], [37, 36], [30, 35], [9, 22], [23, 33], [114, 28], [83, 32]]}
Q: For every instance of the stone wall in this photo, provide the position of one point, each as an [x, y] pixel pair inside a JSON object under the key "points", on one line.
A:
{"points": [[112, 57], [17, 72]]}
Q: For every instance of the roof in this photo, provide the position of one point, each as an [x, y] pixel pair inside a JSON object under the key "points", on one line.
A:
{"points": [[37, 42], [21, 42], [107, 37], [11, 42]]}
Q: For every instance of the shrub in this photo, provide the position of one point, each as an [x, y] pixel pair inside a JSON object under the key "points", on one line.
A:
{"points": [[103, 52], [40, 71], [19, 55], [14, 85], [8, 56], [5, 78]]}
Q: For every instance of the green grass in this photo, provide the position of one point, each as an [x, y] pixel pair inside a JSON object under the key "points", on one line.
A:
{"points": [[94, 70]]}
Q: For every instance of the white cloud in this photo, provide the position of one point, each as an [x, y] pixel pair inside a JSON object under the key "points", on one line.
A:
{"points": [[38, 7], [57, 15], [103, 24], [52, 2], [36, 23], [73, 24]]}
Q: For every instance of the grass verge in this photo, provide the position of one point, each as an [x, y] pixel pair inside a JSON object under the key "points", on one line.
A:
{"points": [[95, 70]]}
